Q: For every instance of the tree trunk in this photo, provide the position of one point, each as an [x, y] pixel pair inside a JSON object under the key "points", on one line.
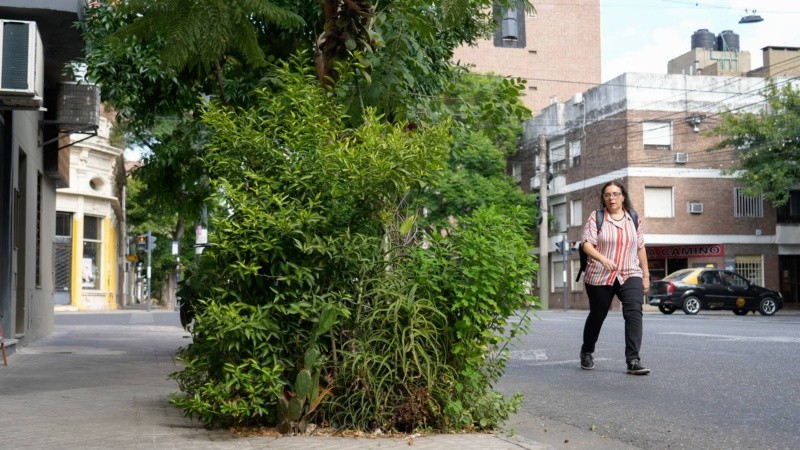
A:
{"points": [[169, 291]]}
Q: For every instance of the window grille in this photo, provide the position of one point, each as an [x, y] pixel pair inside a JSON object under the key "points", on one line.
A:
{"points": [[750, 267], [746, 206], [63, 252], [63, 263]]}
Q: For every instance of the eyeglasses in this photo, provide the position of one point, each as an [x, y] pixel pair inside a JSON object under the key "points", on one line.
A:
{"points": [[610, 195]]}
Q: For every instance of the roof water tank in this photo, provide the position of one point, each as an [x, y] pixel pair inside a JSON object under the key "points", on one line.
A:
{"points": [[704, 39], [728, 41]]}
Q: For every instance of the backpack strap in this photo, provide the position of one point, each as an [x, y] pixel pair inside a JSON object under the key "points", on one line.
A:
{"points": [[599, 217]]}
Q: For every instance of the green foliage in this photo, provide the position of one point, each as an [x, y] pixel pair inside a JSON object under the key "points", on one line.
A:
{"points": [[130, 73], [198, 34], [480, 276], [317, 256], [316, 299], [395, 372], [306, 202], [767, 144]]}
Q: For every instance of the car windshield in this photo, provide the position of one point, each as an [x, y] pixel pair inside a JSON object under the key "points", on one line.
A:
{"points": [[679, 274]]}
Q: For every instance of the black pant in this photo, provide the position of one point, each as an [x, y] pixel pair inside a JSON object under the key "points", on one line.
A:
{"points": [[630, 294]]}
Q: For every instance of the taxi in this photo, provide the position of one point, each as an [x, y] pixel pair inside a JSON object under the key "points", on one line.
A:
{"points": [[710, 288]]}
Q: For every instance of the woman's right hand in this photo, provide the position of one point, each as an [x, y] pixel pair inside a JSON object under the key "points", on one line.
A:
{"points": [[609, 264]]}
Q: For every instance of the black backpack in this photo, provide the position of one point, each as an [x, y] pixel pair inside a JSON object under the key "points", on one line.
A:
{"points": [[600, 217]]}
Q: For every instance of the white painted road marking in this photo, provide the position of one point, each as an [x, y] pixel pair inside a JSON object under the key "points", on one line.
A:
{"points": [[725, 337]]}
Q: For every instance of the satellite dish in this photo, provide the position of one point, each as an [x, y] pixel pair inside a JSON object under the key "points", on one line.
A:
{"points": [[751, 17]]}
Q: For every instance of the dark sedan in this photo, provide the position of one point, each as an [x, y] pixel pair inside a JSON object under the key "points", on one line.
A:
{"points": [[709, 288]]}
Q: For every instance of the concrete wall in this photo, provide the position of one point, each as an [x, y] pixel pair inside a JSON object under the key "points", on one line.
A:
{"points": [[32, 310]]}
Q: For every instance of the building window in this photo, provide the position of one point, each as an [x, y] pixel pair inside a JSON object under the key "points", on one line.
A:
{"points": [[510, 26], [558, 273], [63, 251], [577, 213], [575, 153], [560, 216], [750, 267], [91, 252], [658, 202], [746, 206], [657, 135], [516, 171], [558, 155], [790, 212]]}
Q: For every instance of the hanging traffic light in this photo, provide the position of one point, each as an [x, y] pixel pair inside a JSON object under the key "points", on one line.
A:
{"points": [[141, 242]]}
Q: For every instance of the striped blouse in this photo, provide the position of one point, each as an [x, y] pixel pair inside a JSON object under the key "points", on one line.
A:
{"points": [[618, 242]]}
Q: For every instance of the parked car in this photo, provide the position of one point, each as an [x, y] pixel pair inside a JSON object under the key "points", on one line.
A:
{"points": [[709, 288]]}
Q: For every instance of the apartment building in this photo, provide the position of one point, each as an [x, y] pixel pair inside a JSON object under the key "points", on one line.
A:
{"points": [[39, 40], [646, 130], [556, 49], [90, 251]]}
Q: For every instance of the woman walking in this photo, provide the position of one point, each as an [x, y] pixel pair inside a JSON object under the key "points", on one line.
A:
{"points": [[617, 266]]}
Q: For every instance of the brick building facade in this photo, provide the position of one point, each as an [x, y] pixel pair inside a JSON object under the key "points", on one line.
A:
{"points": [[556, 50], [646, 131]]}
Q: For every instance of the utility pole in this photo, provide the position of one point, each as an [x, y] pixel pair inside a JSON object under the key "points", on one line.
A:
{"points": [[147, 242], [149, 267], [564, 252], [544, 264]]}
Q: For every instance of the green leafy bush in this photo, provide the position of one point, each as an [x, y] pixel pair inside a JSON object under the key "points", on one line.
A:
{"points": [[319, 298]]}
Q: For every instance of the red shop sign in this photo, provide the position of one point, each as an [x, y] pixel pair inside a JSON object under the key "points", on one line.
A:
{"points": [[685, 251]]}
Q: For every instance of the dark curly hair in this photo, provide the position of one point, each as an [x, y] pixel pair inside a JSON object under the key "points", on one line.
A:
{"points": [[626, 204]]}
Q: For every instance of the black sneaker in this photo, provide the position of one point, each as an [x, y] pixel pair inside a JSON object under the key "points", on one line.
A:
{"points": [[587, 363], [636, 368]]}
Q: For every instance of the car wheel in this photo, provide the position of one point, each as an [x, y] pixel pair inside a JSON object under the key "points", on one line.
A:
{"points": [[666, 309], [767, 307], [691, 305], [741, 312]]}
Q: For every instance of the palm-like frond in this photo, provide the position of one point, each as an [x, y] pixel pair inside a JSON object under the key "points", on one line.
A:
{"points": [[197, 33]]}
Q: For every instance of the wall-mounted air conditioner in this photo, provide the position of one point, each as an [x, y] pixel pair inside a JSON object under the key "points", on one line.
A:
{"points": [[21, 65], [681, 158], [695, 208]]}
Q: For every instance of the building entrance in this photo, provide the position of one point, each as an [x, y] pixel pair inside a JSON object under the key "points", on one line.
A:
{"points": [[789, 267]]}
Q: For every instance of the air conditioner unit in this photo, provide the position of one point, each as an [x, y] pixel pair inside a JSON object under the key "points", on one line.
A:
{"points": [[78, 107], [681, 158], [695, 208], [21, 65]]}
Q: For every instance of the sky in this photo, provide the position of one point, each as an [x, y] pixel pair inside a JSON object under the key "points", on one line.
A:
{"points": [[643, 35]]}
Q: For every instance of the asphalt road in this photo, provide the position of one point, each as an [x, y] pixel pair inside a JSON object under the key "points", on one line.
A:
{"points": [[718, 381]]}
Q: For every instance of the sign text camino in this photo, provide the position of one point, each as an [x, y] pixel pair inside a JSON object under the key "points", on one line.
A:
{"points": [[685, 251]]}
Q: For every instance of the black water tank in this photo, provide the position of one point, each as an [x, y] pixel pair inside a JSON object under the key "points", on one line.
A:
{"points": [[728, 41], [704, 39]]}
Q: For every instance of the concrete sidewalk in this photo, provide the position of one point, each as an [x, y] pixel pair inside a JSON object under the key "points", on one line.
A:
{"points": [[101, 381]]}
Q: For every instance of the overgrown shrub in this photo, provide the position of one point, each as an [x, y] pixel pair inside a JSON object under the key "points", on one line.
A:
{"points": [[319, 299]]}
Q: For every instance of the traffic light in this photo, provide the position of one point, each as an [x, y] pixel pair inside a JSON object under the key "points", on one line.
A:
{"points": [[146, 242], [560, 247]]}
